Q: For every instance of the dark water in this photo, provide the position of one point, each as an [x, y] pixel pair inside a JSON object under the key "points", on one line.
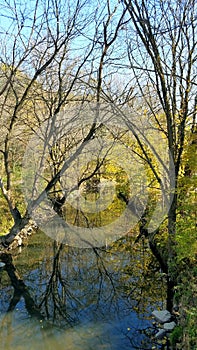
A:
{"points": [[84, 298]]}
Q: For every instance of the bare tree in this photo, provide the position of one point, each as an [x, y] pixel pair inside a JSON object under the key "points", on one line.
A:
{"points": [[43, 76], [161, 44], [137, 57], [36, 43]]}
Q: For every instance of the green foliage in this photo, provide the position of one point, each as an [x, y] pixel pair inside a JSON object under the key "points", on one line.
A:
{"points": [[117, 174], [186, 297], [191, 329], [189, 337], [6, 220], [186, 234], [176, 335]]}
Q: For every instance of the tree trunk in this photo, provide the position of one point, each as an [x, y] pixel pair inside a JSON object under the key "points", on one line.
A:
{"points": [[18, 234], [170, 294], [172, 266]]}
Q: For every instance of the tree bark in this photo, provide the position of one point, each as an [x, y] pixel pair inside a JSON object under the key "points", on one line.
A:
{"points": [[18, 234]]}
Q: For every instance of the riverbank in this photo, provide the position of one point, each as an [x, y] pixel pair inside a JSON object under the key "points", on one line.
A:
{"points": [[184, 336]]}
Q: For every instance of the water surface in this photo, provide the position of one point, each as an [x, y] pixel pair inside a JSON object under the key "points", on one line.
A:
{"points": [[84, 298]]}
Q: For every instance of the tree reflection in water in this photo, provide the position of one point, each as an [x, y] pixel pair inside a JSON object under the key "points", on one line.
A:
{"points": [[98, 298]]}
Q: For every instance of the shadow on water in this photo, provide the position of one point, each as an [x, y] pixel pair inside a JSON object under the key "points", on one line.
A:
{"points": [[59, 297]]}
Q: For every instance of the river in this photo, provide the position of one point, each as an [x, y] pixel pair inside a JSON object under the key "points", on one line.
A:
{"points": [[90, 298]]}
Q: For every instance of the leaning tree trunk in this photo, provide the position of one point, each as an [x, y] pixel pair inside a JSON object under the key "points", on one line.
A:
{"points": [[18, 234]]}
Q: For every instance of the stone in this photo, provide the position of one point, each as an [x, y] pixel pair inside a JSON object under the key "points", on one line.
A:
{"points": [[2, 265], [160, 334], [176, 308], [162, 316], [169, 326], [20, 241]]}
